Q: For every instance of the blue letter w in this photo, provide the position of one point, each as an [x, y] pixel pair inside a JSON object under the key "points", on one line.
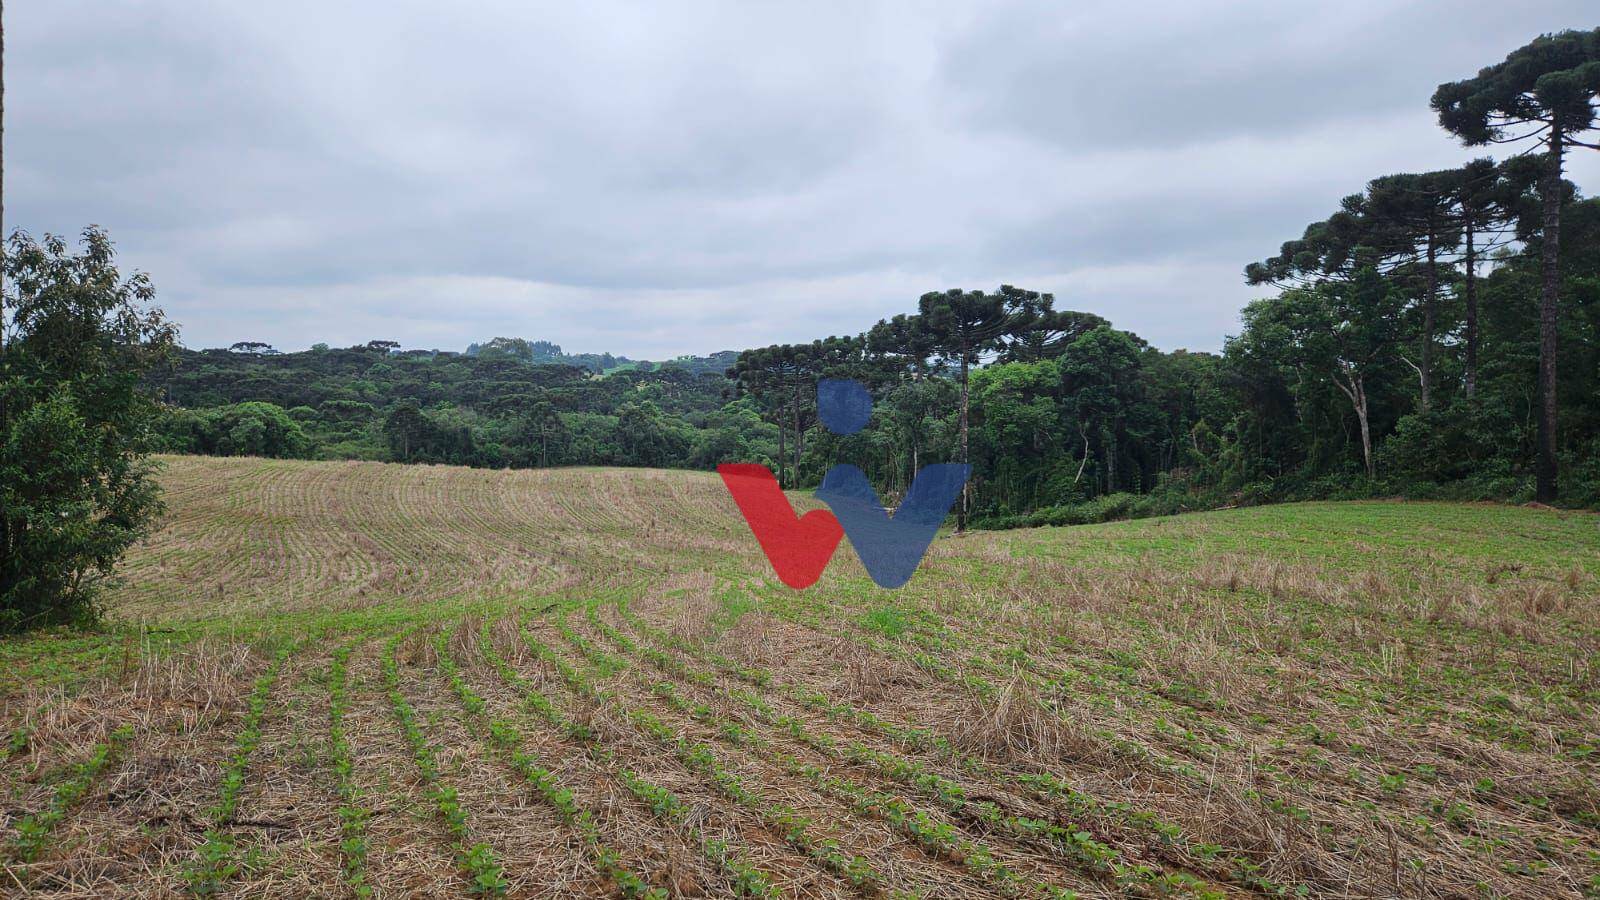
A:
{"points": [[892, 548]]}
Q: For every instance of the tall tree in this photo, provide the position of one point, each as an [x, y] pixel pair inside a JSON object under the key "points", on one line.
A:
{"points": [[1543, 94], [1335, 248], [1412, 214], [1102, 393], [1485, 197], [778, 377], [1043, 331], [831, 357], [899, 344], [537, 425], [960, 328], [914, 412]]}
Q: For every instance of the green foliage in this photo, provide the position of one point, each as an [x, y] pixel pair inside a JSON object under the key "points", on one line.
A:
{"points": [[253, 428], [1465, 441], [1543, 96], [485, 409], [76, 424], [1554, 79]]}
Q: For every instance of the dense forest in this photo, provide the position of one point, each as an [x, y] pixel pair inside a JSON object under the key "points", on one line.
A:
{"points": [[1438, 334], [376, 401]]}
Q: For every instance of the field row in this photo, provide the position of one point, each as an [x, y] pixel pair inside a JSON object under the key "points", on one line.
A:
{"points": [[598, 748]]}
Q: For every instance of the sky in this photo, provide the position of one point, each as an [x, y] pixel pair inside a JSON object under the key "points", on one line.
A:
{"points": [[653, 179]]}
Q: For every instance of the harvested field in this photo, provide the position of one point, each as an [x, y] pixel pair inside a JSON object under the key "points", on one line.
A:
{"points": [[357, 679]]}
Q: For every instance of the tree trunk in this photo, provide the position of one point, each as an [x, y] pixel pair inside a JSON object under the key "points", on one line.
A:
{"points": [[797, 439], [961, 512], [1356, 390], [1471, 382], [782, 454], [1545, 472], [1366, 427], [3, 419], [1111, 461], [1082, 429], [1429, 317]]}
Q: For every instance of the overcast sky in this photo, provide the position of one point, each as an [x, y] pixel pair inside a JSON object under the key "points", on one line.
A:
{"points": [[658, 178]]}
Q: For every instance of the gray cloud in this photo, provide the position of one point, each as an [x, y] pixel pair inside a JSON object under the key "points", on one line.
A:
{"points": [[653, 181]]}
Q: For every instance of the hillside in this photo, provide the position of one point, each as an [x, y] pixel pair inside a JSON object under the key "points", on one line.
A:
{"points": [[580, 682]]}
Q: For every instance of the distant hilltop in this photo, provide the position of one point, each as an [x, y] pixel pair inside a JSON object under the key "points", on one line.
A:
{"points": [[545, 352], [531, 352]]}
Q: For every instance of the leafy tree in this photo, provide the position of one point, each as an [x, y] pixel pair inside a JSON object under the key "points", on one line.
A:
{"points": [[1017, 416], [1101, 381], [76, 424], [960, 327], [1335, 248], [253, 429], [541, 426], [407, 431], [645, 438], [345, 411], [734, 433], [783, 380], [1047, 332], [1542, 94], [1341, 333], [916, 412]]}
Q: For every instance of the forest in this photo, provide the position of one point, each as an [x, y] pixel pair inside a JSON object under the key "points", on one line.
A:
{"points": [[1434, 336]]}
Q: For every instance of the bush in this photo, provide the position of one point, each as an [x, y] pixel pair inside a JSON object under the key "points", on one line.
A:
{"points": [[76, 426], [1465, 440], [255, 429]]}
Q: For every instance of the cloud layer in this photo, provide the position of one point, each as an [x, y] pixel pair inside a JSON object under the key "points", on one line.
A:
{"points": [[656, 179]]}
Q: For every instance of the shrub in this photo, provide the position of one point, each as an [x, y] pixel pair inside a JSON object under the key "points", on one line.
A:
{"points": [[76, 424]]}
